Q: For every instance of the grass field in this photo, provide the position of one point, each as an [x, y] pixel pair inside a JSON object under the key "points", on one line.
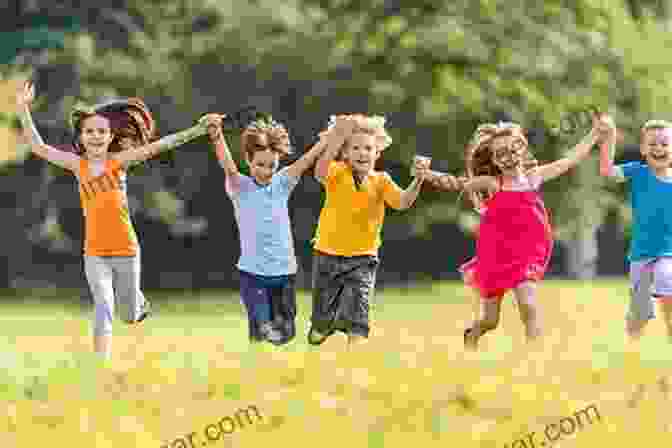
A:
{"points": [[190, 366]]}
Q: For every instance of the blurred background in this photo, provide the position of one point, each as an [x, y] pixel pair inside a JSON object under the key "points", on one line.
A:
{"points": [[434, 68]]}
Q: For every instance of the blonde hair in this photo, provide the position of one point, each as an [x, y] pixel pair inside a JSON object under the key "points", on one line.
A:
{"points": [[364, 124]]}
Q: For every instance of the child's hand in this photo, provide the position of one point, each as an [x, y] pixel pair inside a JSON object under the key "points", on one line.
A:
{"points": [[25, 95], [604, 126], [212, 123], [422, 168], [344, 125]]}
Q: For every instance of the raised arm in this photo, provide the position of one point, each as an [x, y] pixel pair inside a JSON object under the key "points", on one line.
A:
{"points": [[561, 166], [335, 138], [297, 168], [62, 159], [607, 153], [479, 183], [442, 181], [222, 150], [166, 143]]}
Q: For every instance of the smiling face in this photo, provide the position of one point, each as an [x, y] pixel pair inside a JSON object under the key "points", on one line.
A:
{"points": [[96, 136], [656, 147], [263, 165], [507, 152], [361, 152]]}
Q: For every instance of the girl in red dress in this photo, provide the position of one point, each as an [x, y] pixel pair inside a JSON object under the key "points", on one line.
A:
{"points": [[514, 238]]}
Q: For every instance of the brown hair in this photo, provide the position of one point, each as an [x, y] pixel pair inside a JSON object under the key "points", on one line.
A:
{"points": [[128, 118], [479, 154], [262, 135]]}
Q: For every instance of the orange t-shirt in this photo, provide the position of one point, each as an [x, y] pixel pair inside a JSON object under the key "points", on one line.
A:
{"points": [[108, 229]]}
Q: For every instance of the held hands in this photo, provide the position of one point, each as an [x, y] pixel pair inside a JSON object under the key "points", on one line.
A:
{"points": [[422, 169], [603, 128], [212, 124], [25, 95], [344, 125]]}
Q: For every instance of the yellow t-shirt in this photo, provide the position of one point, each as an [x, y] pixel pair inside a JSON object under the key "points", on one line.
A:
{"points": [[108, 230], [351, 220]]}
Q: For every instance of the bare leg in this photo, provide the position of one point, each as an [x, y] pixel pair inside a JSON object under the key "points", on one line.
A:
{"points": [[487, 321], [525, 295], [102, 344], [355, 340], [635, 328], [666, 305]]}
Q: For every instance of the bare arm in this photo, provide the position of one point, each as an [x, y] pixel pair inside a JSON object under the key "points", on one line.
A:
{"points": [[165, 144], [607, 167], [335, 138], [62, 159], [443, 181], [480, 183], [410, 194], [297, 168], [561, 166], [223, 153]]}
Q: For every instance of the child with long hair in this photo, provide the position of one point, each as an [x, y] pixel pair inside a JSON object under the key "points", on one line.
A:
{"points": [[650, 254], [348, 233], [514, 238], [111, 247], [267, 263]]}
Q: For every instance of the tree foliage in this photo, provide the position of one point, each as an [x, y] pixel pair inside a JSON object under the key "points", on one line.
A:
{"points": [[435, 68]]}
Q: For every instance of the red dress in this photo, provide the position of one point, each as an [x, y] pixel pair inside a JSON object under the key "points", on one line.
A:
{"points": [[514, 243]]}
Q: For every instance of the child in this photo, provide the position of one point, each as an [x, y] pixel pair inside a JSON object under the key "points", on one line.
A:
{"points": [[651, 245], [111, 247], [348, 232], [267, 261], [514, 239]]}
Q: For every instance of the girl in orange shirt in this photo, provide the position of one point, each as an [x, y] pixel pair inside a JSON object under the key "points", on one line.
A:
{"points": [[111, 247]]}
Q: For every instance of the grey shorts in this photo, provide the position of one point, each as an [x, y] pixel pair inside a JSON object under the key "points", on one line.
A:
{"points": [[114, 283], [342, 289], [649, 279]]}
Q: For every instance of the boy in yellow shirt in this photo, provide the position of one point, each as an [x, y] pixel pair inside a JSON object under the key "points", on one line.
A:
{"points": [[348, 232]]}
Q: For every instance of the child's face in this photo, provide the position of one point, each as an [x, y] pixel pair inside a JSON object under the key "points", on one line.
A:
{"points": [[361, 153], [96, 136], [656, 147], [263, 165], [506, 152]]}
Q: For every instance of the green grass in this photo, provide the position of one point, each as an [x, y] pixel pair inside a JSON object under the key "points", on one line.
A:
{"points": [[191, 364]]}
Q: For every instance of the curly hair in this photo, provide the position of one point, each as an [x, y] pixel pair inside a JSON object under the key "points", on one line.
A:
{"points": [[129, 118], [264, 134], [364, 124], [479, 154]]}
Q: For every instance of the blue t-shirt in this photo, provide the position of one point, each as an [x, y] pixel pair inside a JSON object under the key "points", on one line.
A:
{"points": [[652, 213], [262, 214]]}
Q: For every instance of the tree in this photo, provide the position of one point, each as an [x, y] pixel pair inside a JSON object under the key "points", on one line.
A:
{"points": [[453, 64]]}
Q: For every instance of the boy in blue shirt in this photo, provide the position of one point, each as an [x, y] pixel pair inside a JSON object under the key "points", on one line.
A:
{"points": [[651, 246], [267, 263]]}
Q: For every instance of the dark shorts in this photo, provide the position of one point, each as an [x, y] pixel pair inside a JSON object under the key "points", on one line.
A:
{"points": [[280, 292], [342, 288]]}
